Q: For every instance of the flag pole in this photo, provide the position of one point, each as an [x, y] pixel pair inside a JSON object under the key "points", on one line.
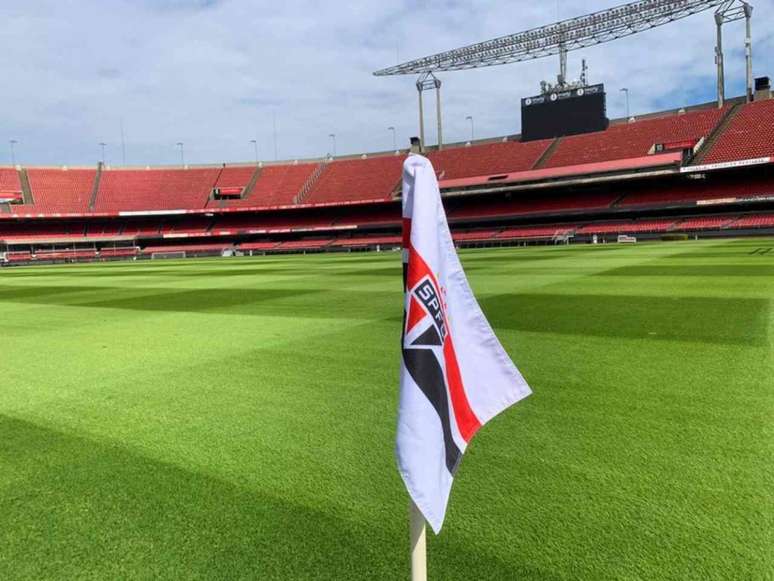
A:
{"points": [[418, 544], [417, 523]]}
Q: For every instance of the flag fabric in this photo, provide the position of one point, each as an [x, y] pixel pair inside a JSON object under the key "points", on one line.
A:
{"points": [[455, 375]]}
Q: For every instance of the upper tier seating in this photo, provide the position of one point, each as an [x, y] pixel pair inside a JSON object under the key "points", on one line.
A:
{"points": [[232, 177], [749, 135], [487, 159], [61, 190], [158, 189], [627, 140], [278, 185], [351, 180], [9, 180]]}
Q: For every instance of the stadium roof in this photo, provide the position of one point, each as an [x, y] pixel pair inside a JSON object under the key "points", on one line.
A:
{"points": [[566, 35]]}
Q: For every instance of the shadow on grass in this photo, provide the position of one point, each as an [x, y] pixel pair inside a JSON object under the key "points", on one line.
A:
{"points": [[78, 508], [709, 270], [710, 320], [281, 302]]}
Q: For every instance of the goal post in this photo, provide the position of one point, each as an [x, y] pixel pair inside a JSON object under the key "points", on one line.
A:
{"points": [[170, 254], [562, 236]]}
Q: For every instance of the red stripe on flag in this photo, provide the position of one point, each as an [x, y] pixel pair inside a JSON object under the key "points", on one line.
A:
{"points": [[467, 422]]}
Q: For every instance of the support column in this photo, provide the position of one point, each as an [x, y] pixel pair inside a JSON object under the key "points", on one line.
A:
{"points": [[429, 81], [719, 59], [438, 112], [421, 117], [748, 50], [561, 80]]}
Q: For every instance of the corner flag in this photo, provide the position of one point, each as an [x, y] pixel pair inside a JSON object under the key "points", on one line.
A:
{"points": [[455, 375]]}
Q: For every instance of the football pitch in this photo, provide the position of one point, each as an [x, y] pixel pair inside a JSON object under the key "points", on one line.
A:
{"points": [[235, 418]]}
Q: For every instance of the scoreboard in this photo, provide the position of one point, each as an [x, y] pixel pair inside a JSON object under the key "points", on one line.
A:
{"points": [[564, 112]]}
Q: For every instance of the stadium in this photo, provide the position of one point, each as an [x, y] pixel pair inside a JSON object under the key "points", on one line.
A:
{"points": [[200, 360], [700, 171]]}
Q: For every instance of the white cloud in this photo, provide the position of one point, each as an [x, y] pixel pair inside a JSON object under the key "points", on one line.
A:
{"points": [[212, 73]]}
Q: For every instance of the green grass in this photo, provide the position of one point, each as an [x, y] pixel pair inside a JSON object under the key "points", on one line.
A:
{"points": [[234, 418]]}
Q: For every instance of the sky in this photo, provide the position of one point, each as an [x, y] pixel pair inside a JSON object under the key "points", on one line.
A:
{"points": [[216, 74]]}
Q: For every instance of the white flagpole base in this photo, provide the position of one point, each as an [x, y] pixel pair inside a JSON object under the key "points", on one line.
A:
{"points": [[418, 544]]}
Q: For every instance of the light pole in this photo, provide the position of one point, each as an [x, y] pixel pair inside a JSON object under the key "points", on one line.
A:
{"points": [[102, 145], [274, 130], [394, 140], [182, 153], [13, 143], [626, 91], [255, 145], [333, 137], [472, 133], [123, 143]]}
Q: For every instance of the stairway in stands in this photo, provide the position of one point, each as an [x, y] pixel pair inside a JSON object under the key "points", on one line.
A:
{"points": [[310, 182], [95, 187], [546, 155], [24, 179], [251, 184], [221, 202], [709, 142]]}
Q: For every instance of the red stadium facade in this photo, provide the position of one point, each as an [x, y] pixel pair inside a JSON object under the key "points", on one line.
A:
{"points": [[705, 171]]}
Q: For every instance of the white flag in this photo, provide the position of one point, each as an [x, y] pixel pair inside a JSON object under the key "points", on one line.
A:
{"points": [[455, 375]]}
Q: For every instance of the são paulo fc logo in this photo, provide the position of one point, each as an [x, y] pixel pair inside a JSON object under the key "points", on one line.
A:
{"points": [[431, 300], [426, 317]]}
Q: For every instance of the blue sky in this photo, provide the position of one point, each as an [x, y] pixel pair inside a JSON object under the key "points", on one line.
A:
{"points": [[213, 74]]}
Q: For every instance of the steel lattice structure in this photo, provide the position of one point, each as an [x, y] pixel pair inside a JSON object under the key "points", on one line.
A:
{"points": [[557, 38]]}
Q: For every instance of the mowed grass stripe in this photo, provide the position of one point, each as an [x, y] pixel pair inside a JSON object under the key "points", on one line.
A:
{"points": [[149, 430]]}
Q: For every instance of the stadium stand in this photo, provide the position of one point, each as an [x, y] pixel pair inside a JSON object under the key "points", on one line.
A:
{"points": [[749, 188], [755, 221], [474, 235], [705, 223], [748, 135], [305, 244], [61, 190], [352, 180], [535, 232], [506, 192], [633, 139], [9, 180], [122, 190], [487, 159], [626, 227], [278, 185], [363, 241]]}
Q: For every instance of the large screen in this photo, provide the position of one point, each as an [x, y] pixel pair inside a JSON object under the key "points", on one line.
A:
{"points": [[560, 113]]}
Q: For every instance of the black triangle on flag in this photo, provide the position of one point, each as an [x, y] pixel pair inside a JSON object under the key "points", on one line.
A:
{"points": [[429, 337]]}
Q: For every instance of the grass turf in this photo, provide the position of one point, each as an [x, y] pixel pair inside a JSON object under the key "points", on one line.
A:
{"points": [[234, 418]]}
